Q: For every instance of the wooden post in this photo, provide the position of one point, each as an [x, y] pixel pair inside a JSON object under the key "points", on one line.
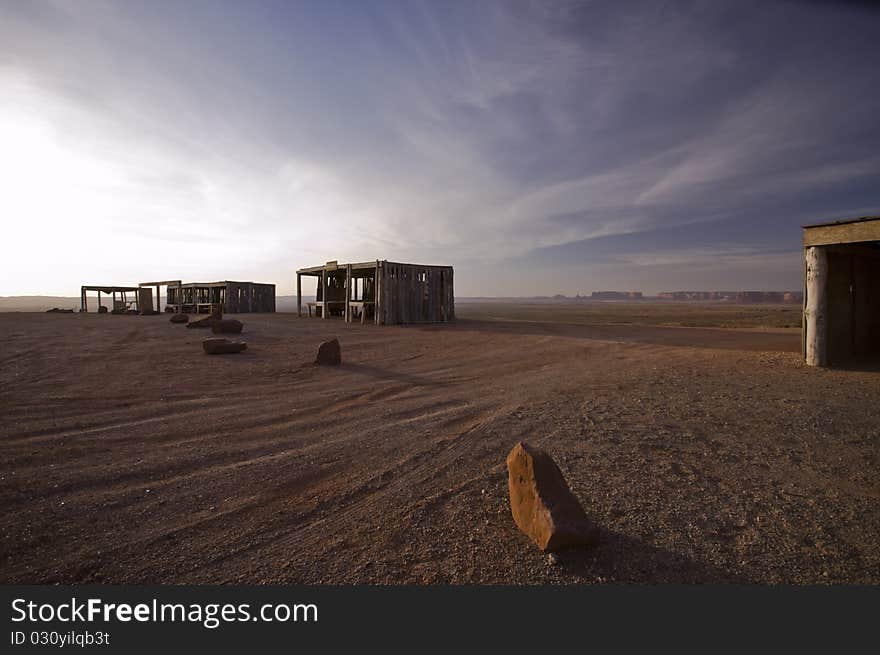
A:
{"points": [[83, 303], [816, 312], [299, 295], [324, 293], [377, 294], [158, 301], [99, 301], [347, 293]]}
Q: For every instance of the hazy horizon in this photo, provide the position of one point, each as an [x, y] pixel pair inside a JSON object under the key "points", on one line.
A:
{"points": [[538, 147]]}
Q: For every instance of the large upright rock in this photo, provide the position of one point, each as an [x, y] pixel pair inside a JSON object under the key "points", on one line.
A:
{"points": [[329, 353], [221, 346], [542, 504], [227, 326], [207, 321]]}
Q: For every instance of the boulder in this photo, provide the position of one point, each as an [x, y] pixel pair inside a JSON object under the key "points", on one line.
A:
{"points": [[227, 326], [542, 504], [329, 353], [102, 309], [179, 318], [220, 346], [207, 321]]}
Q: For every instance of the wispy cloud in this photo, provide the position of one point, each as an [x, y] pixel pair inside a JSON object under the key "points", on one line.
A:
{"points": [[227, 139]]}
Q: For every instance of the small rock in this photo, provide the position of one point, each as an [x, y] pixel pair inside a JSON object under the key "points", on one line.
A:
{"points": [[179, 318], [329, 353], [207, 321], [542, 504], [553, 559]]}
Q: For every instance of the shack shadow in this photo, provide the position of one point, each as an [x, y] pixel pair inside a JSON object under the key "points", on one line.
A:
{"points": [[689, 337], [870, 364]]}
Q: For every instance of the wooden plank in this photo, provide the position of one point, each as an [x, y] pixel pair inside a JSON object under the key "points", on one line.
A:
{"points": [[347, 312], [450, 295], [804, 311], [323, 294], [379, 291]]}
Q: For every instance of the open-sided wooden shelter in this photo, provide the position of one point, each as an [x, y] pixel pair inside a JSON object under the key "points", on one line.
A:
{"points": [[381, 292], [122, 302], [841, 321]]}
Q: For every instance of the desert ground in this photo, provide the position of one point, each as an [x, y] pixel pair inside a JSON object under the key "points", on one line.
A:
{"points": [[703, 454]]}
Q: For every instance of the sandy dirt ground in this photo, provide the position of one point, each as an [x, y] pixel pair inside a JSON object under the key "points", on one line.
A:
{"points": [[704, 455]]}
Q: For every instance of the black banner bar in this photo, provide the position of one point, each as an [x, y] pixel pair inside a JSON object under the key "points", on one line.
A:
{"points": [[284, 619]]}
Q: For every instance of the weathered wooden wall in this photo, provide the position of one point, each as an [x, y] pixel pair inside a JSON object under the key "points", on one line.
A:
{"points": [[412, 293], [246, 297], [853, 304]]}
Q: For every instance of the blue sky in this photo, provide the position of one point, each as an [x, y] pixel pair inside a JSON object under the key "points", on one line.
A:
{"points": [[538, 147]]}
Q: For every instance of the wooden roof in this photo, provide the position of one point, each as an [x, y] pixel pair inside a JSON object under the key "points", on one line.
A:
{"points": [[106, 289], [333, 265], [853, 230]]}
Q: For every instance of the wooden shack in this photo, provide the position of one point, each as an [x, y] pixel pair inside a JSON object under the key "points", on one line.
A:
{"points": [[228, 296], [380, 292], [841, 322]]}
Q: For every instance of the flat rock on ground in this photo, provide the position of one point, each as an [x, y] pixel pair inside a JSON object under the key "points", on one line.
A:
{"points": [[206, 321]]}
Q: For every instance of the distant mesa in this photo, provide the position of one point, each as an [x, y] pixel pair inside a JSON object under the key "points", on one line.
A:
{"points": [[616, 295], [781, 297]]}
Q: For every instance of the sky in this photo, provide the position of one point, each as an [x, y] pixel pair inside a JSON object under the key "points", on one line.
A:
{"points": [[539, 147]]}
